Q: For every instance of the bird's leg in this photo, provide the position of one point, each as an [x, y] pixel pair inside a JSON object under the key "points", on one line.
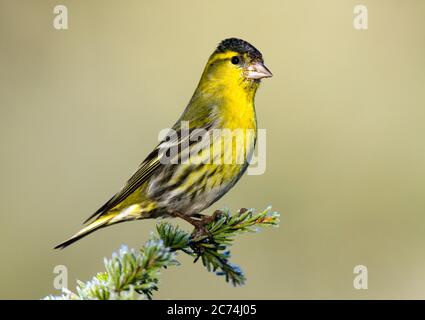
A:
{"points": [[200, 230], [200, 222], [189, 219], [208, 219], [205, 219], [198, 216]]}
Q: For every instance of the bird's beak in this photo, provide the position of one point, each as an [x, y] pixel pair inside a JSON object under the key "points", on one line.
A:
{"points": [[258, 71]]}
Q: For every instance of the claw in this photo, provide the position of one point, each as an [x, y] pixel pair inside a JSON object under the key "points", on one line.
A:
{"points": [[200, 233]]}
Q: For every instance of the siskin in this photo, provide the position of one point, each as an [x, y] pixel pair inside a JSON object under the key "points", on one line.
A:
{"points": [[170, 184]]}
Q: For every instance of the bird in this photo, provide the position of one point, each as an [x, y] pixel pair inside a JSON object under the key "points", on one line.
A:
{"points": [[174, 180]]}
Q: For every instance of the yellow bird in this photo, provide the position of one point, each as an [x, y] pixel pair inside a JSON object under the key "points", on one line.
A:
{"points": [[184, 175]]}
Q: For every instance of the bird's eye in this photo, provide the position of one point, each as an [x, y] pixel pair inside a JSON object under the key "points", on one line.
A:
{"points": [[236, 60]]}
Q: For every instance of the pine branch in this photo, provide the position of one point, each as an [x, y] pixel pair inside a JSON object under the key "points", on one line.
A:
{"points": [[135, 275]]}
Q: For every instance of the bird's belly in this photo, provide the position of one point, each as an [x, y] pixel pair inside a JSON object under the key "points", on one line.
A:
{"points": [[197, 190]]}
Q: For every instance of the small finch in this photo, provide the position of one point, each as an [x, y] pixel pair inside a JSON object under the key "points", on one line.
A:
{"points": [[169, 184]]}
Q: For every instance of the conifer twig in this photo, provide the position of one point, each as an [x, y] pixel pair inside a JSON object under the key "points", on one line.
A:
{"points": [[135, 275]]}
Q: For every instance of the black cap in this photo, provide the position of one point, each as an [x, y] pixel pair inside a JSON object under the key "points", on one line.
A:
{"points": [[239, 46]]}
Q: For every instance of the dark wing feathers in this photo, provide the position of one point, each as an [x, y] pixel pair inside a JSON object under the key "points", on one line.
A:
{"points": [[153, 161], [145, 170], [143, 173]]}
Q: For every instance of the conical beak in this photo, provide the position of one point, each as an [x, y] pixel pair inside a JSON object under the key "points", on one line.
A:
{"points": [[258, 71]]}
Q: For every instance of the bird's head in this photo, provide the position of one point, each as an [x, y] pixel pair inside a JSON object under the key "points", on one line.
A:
{"points": [[236, 61]]}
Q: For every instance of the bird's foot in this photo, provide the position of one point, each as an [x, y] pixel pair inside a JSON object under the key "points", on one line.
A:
{"points": [[208, 219], [201, 231], [199, 221]]}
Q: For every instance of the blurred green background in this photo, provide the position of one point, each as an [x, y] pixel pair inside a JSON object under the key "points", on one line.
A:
{"points": [[345, 120]]}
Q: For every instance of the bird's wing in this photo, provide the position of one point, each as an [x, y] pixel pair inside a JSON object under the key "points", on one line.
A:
{"points": [[148, 167]]}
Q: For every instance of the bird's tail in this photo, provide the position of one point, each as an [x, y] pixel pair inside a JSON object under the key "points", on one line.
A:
{"points": [[101, 222]]}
